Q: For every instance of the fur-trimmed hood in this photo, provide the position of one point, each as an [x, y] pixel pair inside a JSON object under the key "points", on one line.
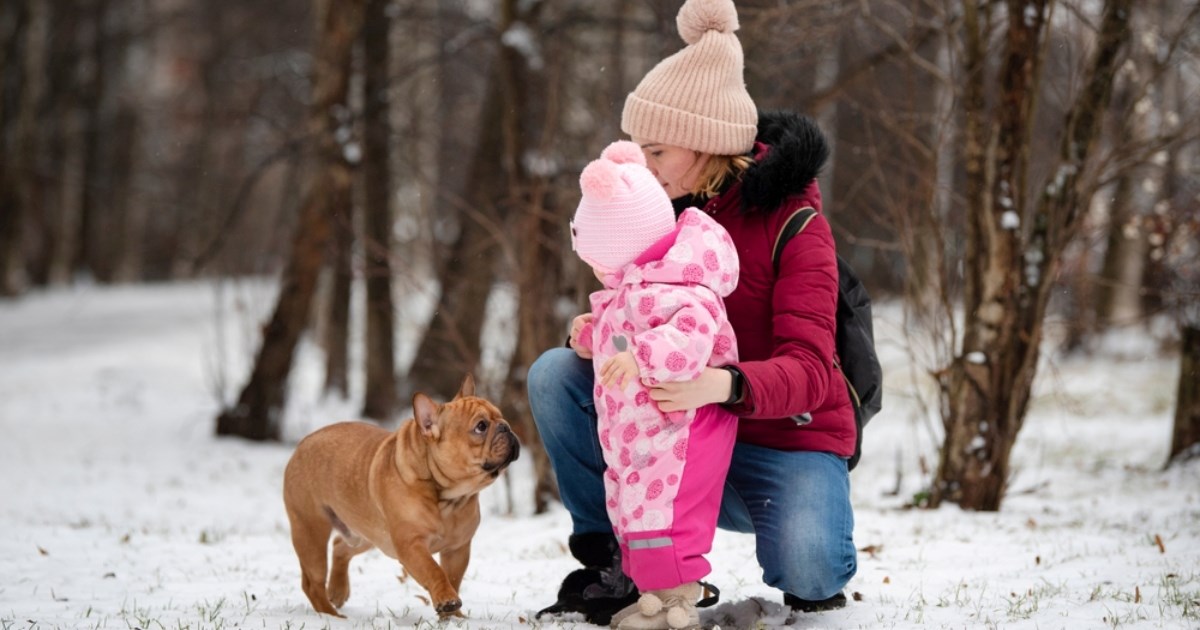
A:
{"points": [[795, 153]]}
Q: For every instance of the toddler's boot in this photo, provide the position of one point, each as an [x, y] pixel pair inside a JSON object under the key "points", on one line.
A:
{"points": [[665, 609]]}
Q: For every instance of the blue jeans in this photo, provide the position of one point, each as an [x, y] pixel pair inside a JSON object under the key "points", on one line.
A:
{"points": [[796, 503]]}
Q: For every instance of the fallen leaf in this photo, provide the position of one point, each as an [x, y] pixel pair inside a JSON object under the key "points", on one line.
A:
{"points": [[1037, 559], [887, 580], [43, 551], [858, 597], [872, 550], [1158, 541], [1031, 524], [423, 599], [1137, 595]]}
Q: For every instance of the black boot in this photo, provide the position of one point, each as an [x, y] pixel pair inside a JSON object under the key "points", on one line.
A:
{"points": [[809, 606], [600, 588]]}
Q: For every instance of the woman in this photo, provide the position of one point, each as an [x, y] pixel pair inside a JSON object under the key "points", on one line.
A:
{"points": [[788, 481]]}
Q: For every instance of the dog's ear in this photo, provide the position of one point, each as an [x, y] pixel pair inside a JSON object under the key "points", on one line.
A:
{"points": [[468, 387], [425, 412]]}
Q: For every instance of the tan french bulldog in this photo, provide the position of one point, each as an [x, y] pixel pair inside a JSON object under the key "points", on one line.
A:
{"points": [[411, 493]]}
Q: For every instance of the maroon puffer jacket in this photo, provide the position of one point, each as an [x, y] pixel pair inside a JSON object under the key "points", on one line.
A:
{"points": [[785, 324]]}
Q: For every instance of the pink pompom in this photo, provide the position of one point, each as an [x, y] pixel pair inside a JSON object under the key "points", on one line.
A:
{"points": [[598, 181], [624, 152], [698, 17]]}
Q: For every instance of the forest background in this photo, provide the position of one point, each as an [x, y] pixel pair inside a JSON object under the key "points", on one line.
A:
{"points": [[1020, 177]]}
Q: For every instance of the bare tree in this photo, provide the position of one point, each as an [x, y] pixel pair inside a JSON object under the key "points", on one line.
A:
{"points": [[1013, 250], [1185, 434], [379, 398], [257, 413], [451, 345], [336, 337], [22, 63], [531, 89], [1177, 241]]}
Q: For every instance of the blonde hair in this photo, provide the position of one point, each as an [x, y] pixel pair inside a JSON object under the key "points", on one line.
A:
{"points": [[718, 170]]}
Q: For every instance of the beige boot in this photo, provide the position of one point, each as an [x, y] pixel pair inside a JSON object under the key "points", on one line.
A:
{"points": [[666, 609]]}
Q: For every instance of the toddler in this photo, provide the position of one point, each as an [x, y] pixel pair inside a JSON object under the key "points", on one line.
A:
{"points": [[659, 318]]}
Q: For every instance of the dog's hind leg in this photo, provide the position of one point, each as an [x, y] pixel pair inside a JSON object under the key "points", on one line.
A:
{"points": [[339, 578], [310, 537]]}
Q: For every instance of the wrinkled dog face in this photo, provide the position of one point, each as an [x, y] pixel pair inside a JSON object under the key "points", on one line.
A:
{"points": [[475, 444]]}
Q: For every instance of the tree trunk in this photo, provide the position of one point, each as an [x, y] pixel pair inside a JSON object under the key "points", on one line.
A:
{"points": [[1008, 279], [66, 227], [64, 147], [130, 229], [1118, 293], [260, 406], [1185, 437], [337, 325], [199, 183], [451, 345], [379, 398], [531, 95], [24, 56], [92, 240]]}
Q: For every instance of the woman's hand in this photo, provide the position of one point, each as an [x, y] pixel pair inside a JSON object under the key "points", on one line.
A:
{"points": [[577, 326], [714, 385]]}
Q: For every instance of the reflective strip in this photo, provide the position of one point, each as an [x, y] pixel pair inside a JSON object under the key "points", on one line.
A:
{"points": [[650, 543]]}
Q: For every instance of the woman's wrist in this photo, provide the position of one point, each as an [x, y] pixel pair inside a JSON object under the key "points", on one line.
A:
{"points": [[737, 385]]}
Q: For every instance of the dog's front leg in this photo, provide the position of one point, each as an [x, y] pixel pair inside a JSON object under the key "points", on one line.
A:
{"points": [[414, 554], [454, 563]]}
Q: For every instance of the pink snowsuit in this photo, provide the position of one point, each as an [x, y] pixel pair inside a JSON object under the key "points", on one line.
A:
{"points": [[666, 471]]}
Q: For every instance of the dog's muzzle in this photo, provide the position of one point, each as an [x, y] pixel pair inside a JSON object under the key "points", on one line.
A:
{"points": [[505, 449]]}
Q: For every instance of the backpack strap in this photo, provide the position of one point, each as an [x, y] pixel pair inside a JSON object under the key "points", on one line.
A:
{"points": [[794, 225]]}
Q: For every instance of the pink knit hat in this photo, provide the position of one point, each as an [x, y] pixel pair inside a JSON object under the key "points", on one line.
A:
{"points": [[624, 210], [697, 98]]}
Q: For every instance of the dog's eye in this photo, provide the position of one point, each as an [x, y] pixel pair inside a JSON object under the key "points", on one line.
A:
{"points": [[481, 426]]}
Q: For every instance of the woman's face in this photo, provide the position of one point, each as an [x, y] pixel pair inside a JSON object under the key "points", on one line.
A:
{"points": [[676, 168]]}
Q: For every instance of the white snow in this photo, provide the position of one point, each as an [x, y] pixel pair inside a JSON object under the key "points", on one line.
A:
{"points": [[121, 510]]}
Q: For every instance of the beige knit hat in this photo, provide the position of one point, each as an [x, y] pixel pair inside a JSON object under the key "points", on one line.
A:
{"points": [[696, 98]]}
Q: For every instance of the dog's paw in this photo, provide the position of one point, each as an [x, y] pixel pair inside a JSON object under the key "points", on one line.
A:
{"points": [[449, 608]]}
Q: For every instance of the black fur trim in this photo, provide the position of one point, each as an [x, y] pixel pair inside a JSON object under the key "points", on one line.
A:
{"points": [[798, 151]]}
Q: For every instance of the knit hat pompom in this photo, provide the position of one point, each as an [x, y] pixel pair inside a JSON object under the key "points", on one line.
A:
{"points": [[624, 152], [599, 180], [698, 17]]}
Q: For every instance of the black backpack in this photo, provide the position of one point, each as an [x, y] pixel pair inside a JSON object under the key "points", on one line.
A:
{"points": [[855, 340]]}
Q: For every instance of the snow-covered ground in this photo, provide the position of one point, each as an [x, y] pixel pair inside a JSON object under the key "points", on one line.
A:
{"points": [[120, 508]]}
